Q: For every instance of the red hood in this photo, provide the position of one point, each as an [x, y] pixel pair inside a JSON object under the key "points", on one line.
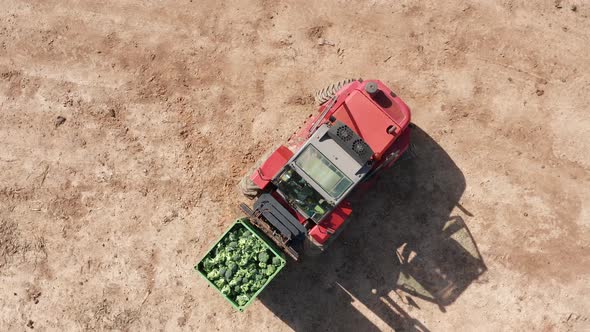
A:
{"points": [[371, 117]]}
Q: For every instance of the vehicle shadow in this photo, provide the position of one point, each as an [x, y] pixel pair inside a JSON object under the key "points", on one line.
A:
{"points": [[400, 243]]}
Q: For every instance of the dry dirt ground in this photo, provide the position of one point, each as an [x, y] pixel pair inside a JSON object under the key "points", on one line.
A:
{"points": [[125, 125]]}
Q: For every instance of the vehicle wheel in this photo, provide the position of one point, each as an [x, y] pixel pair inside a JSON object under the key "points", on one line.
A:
{"points": [[325, 94], [311, 248], [246, 186], [409, 154], [249, 188]]}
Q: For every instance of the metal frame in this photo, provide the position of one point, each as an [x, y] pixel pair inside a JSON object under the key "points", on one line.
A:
{"points": [[276, 237]]}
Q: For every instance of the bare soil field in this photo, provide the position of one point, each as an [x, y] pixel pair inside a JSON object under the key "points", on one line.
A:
{"points": [[126, 125]]}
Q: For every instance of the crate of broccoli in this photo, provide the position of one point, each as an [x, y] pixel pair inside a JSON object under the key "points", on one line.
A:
{"points": [[241, 264]]}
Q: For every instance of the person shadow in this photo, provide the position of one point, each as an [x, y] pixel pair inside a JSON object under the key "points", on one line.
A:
{"points": [[402, 243]]}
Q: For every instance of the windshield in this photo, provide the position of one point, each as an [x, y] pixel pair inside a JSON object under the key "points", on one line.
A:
{"points": [[323, 172], [301, 195]]}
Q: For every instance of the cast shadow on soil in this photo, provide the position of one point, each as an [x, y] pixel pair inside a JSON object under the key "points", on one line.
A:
{"points": [[400, 243]]}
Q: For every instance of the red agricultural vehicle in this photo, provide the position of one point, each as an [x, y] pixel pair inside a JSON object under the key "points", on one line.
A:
{"points": [[301, 188]]}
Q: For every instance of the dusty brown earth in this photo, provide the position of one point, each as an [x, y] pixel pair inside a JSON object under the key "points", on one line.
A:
{"points": [[125, 125]]}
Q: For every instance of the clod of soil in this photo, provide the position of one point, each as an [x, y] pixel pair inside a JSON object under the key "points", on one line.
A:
{"points": [[59, 121], [558, 4]]}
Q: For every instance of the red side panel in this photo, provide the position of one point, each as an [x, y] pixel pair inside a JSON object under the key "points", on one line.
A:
{"points": [[322, 232], [401, 144], [263, 175]]}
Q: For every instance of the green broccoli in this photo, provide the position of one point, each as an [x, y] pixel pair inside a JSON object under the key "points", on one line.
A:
{"points": [[232, 246], [242, 299], [220, 256], [219, 249], [243, 261], [235, 281], [226, 289], [249, 274], [222, 271], [263, 257], [252, 255], [256, 285], [219, 283], [240, 265], [228, 257], [213, 274], [242, 242], [208, 264], [245, 287], [251, 243], [270, 270], [276, 261], [229, 273], [235, 257]]}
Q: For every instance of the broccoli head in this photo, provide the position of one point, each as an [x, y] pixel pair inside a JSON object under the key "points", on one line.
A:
{"points": [[270, 270], [242, 242], [213, 274], [222, 271], [226, 289], [263, 257], [235, 281], [242, 299], [232, 266], [208, 264], [245, 287], [229, 273], [232, 246], [243, 261], [219, 283], [276, 261], [256, 285]]}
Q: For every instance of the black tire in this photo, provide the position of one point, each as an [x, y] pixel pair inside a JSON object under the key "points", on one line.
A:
{"points": [[249, 188], [325, 94], [310, 248], [409, 154], [246, 186]]}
